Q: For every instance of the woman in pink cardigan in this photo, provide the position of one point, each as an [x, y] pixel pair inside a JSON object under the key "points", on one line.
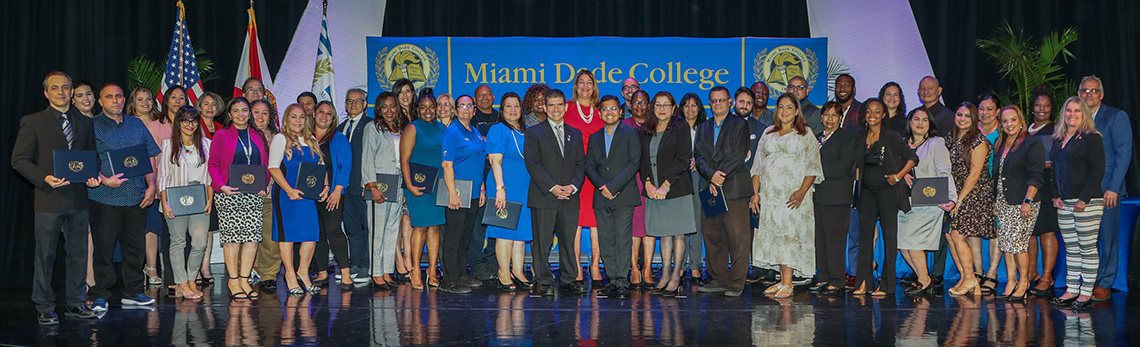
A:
{"points": [[239, 212]]}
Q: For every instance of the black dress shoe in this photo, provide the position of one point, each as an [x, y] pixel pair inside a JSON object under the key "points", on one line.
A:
{"points": [[269, 284], [909, 279], [519, 283], [470, 282], [47, 318], [540, 290], [711, 287], [1057, 301], [596, 283], [1080, 305], [831, 291], [346, 286], [81, 312], [454, 288], [608, 292], [755, 274], [623, 293], [574, 288], [321, 282], [818, 287]]}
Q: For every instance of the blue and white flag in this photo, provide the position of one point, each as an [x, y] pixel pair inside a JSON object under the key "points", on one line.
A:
{"points": [[323, 73]]}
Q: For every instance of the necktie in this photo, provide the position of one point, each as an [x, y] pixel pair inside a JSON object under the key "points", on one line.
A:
{"points": [[349, 127], [67, 131], [558, 135]]}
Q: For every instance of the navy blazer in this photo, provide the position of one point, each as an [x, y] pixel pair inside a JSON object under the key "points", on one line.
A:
{"points": [[673, 155], [33, 156], [354, 186], [548, 167], [1024, 167], [1079, 165], [1114, 128], [617, 169]]}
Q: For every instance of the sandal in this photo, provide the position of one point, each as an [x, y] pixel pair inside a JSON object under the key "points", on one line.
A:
{"points": [[236, 294], [983, 280], [253, 293], [782, 291], [152, 280], [772, 289]]}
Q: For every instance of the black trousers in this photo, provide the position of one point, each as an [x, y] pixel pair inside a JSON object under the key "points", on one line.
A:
{"points": [[481, 251], [126, 225], [355, 211], [728, 239], [74, 224], [615, 239], [546, 223], [831, 223], [454, 240], [878, 205], [332, 235]]}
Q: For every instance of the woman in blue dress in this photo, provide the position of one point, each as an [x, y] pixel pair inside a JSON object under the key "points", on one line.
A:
{"points": [[464, 155], [504, 151], [294, 217], [420, 143]]}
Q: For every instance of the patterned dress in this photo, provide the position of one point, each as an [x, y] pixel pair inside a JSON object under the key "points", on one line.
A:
{"points": [[786, 236], [976, 212], [1013, 231]]}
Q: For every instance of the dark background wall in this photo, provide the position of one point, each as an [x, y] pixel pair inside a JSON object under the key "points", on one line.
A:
{"points": [[95, 40]]}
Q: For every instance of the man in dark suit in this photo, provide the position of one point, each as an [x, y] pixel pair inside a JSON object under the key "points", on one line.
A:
{"points": [[849, 107], [355, 209], [555, 160], [612, 160], [1116, 132], [722, 145], [59, 204], [799, 88]]}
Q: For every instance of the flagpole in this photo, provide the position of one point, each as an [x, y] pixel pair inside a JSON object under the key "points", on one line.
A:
{"points": [[181, 60]]}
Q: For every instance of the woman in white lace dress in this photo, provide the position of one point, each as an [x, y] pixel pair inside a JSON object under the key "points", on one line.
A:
{"points": [[786, 167]]}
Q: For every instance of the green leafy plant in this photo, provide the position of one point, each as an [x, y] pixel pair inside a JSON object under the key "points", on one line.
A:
{"points": [[1029, 64], [147, 73]]}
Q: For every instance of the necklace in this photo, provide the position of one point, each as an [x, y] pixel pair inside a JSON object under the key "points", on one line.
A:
{"points": [[586, 118], [1034, 128], [516, 139], [247, 147]]}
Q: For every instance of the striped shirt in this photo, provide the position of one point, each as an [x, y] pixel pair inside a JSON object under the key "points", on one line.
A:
{"points": [[190, 167]]}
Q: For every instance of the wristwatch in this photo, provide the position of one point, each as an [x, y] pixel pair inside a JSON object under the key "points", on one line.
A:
{"points": [[1027, 201]]}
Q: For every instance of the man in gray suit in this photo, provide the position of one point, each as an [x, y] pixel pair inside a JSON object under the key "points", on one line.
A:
{"points": [[612, 161], [798, 86]]}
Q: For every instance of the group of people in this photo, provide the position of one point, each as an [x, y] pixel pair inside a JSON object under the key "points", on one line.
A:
{"points": [[819, 183]]}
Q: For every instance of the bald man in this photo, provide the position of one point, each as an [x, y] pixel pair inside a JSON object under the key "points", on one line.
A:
{"points": [[799, 88]]}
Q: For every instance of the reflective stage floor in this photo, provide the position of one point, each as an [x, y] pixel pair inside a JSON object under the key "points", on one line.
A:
{"points": [[362, 317]]}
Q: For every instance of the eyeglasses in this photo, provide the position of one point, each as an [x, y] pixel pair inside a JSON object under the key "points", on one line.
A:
{"points": [[355, 101], [1088, 91], [464, 106], [446, 104], [662, 105], [611, 108], [189, 121], [251, 90], [630, 87], [718, 101], [639, 103], [794, 87]]}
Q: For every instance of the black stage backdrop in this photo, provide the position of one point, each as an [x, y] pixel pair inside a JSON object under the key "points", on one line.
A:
{"points": [[96, 39]]}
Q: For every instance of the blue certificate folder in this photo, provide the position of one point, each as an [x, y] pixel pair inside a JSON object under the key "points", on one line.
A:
{"points": [[186, 200], [424, 176], [713, 205], [131, 161], [75, 166], [506, 218], [310, 180], [387, 184], [247, 178]]}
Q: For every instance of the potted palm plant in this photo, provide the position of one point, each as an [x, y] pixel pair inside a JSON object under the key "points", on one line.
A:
{"points": [[1029, 64]]}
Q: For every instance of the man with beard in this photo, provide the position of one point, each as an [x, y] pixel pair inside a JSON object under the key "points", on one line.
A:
{"points": [[799, 88], [628, 87], [849, 107]]}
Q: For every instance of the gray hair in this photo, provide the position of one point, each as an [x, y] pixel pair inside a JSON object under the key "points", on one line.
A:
{"points": [[357, 90], [1093, 78]]}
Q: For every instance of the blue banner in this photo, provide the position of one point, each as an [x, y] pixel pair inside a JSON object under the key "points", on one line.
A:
{"points": [[679, 65]]}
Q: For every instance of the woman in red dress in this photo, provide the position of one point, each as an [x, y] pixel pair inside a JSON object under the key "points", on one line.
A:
{"points": [[582, 114]]}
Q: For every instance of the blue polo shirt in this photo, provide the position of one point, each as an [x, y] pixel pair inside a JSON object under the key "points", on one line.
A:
{"points": [[109, 136], [467, 151]]}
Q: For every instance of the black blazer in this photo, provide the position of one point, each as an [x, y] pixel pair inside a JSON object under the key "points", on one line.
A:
{"points": [[1024, 167], [726, 155], [615, 170], [895, 155], [1079, 167], [838, 157], [32, 157], [548, 168], [673, 155], [354, 188]]}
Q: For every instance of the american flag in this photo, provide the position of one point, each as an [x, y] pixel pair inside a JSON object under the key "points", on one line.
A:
{"points": [[181, 66]]}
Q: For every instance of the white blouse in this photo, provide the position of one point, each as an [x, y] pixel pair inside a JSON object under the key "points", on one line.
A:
{"points": [[277, 150], [190, 168]]}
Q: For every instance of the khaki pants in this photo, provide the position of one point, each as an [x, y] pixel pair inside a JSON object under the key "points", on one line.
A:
{"points": [[268, 261]]}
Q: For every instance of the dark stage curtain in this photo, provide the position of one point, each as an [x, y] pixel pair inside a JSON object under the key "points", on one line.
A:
{"points": [[95, 40]]}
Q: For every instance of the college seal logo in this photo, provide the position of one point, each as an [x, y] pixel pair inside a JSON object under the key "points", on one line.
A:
{"points": [[383, 187], [929, 191], [420, 65], [420, 178], [130, 162], [75, 166], [501, 213], [186, 200], [778, 66], [247, 178], [712, 201], [311, 181]]}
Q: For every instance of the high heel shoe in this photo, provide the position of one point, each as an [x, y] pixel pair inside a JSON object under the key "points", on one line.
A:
{"points": [[238, 294], [982, 281], [1058, 301], [152, 280], [1041, 293], [964, 291], [521, 282], [252, 294], [505, 288], [1006, 297]]}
